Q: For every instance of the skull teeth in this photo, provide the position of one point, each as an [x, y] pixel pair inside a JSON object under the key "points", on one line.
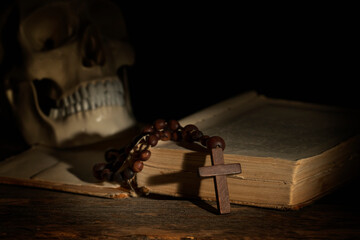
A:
{"points": [[89, 97]]}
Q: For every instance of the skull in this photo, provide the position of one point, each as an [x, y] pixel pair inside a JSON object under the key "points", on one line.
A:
{"points": [[70, 86]]}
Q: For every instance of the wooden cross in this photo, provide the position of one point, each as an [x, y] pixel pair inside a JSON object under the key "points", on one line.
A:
{"points": [[219, 170]]}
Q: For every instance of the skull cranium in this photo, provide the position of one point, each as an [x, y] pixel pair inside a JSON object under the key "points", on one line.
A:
{"points": [[66, 89]]}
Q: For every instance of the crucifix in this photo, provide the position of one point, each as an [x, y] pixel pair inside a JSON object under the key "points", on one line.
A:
{"points": [[219, 171]]}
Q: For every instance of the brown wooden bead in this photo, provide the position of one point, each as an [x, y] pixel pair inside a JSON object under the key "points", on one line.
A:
{"points": [[111, 155], [173, 125], [145, 155], [158, 134], [190, 127], [185, 136], [138, 166], [128, 173], [106, 174], [196, 135], [97, 170], [174, 136], [214, 142], [152, 140], [159, 124], [203, 139], [186, 132], [165, 135], [148, 129]]}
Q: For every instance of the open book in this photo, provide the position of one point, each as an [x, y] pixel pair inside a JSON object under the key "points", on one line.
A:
{"points": [[291, 153]]}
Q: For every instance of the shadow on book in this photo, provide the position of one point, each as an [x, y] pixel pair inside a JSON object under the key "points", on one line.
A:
{"points": [[188, 186], [181, 178]]}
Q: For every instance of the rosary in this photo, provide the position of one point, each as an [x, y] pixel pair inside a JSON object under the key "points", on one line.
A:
{"points": [[122, 165]]}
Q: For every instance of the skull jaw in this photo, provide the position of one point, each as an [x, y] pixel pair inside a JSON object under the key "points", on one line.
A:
{"points": [[75, 130], [79, 129], [89, 127]]}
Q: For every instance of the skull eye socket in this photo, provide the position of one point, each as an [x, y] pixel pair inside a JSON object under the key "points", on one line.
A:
{"points": [[49, 28]]}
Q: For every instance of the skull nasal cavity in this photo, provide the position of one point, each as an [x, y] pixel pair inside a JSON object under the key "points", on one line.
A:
{"points": [[91, 49]]}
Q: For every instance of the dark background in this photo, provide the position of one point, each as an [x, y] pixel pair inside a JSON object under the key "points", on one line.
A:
{"points": [[189, 56]]}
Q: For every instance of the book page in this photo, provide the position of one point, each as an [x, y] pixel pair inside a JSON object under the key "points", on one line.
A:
{"points": [[69, 166], [27, 164], [287, 132], [262, 127]]}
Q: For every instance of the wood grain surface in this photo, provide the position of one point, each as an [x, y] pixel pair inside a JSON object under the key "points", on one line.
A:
{"points": [[30, 213]]}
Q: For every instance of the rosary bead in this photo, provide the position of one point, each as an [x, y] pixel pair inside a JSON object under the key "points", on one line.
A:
{"points": [[99, 167], [111, 155], [214, 142], [158, 134], [145, 155], [173, 125], [152, 140], [97, 170], [175, 136], [106, 174], [165, 135], [203, 139], [137, 166], [128, 174], [196, 135], [159, 124], [186, 132], [190, 128], [148, 129]]}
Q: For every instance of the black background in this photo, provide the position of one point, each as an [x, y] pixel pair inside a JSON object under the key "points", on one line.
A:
{"points": [[189, 56]]}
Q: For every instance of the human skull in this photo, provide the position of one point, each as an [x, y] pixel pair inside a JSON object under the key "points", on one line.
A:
{"points": [[66, 90]]}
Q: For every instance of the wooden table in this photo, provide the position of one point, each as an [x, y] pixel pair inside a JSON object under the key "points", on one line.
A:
{"points": [[28, 213]]}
